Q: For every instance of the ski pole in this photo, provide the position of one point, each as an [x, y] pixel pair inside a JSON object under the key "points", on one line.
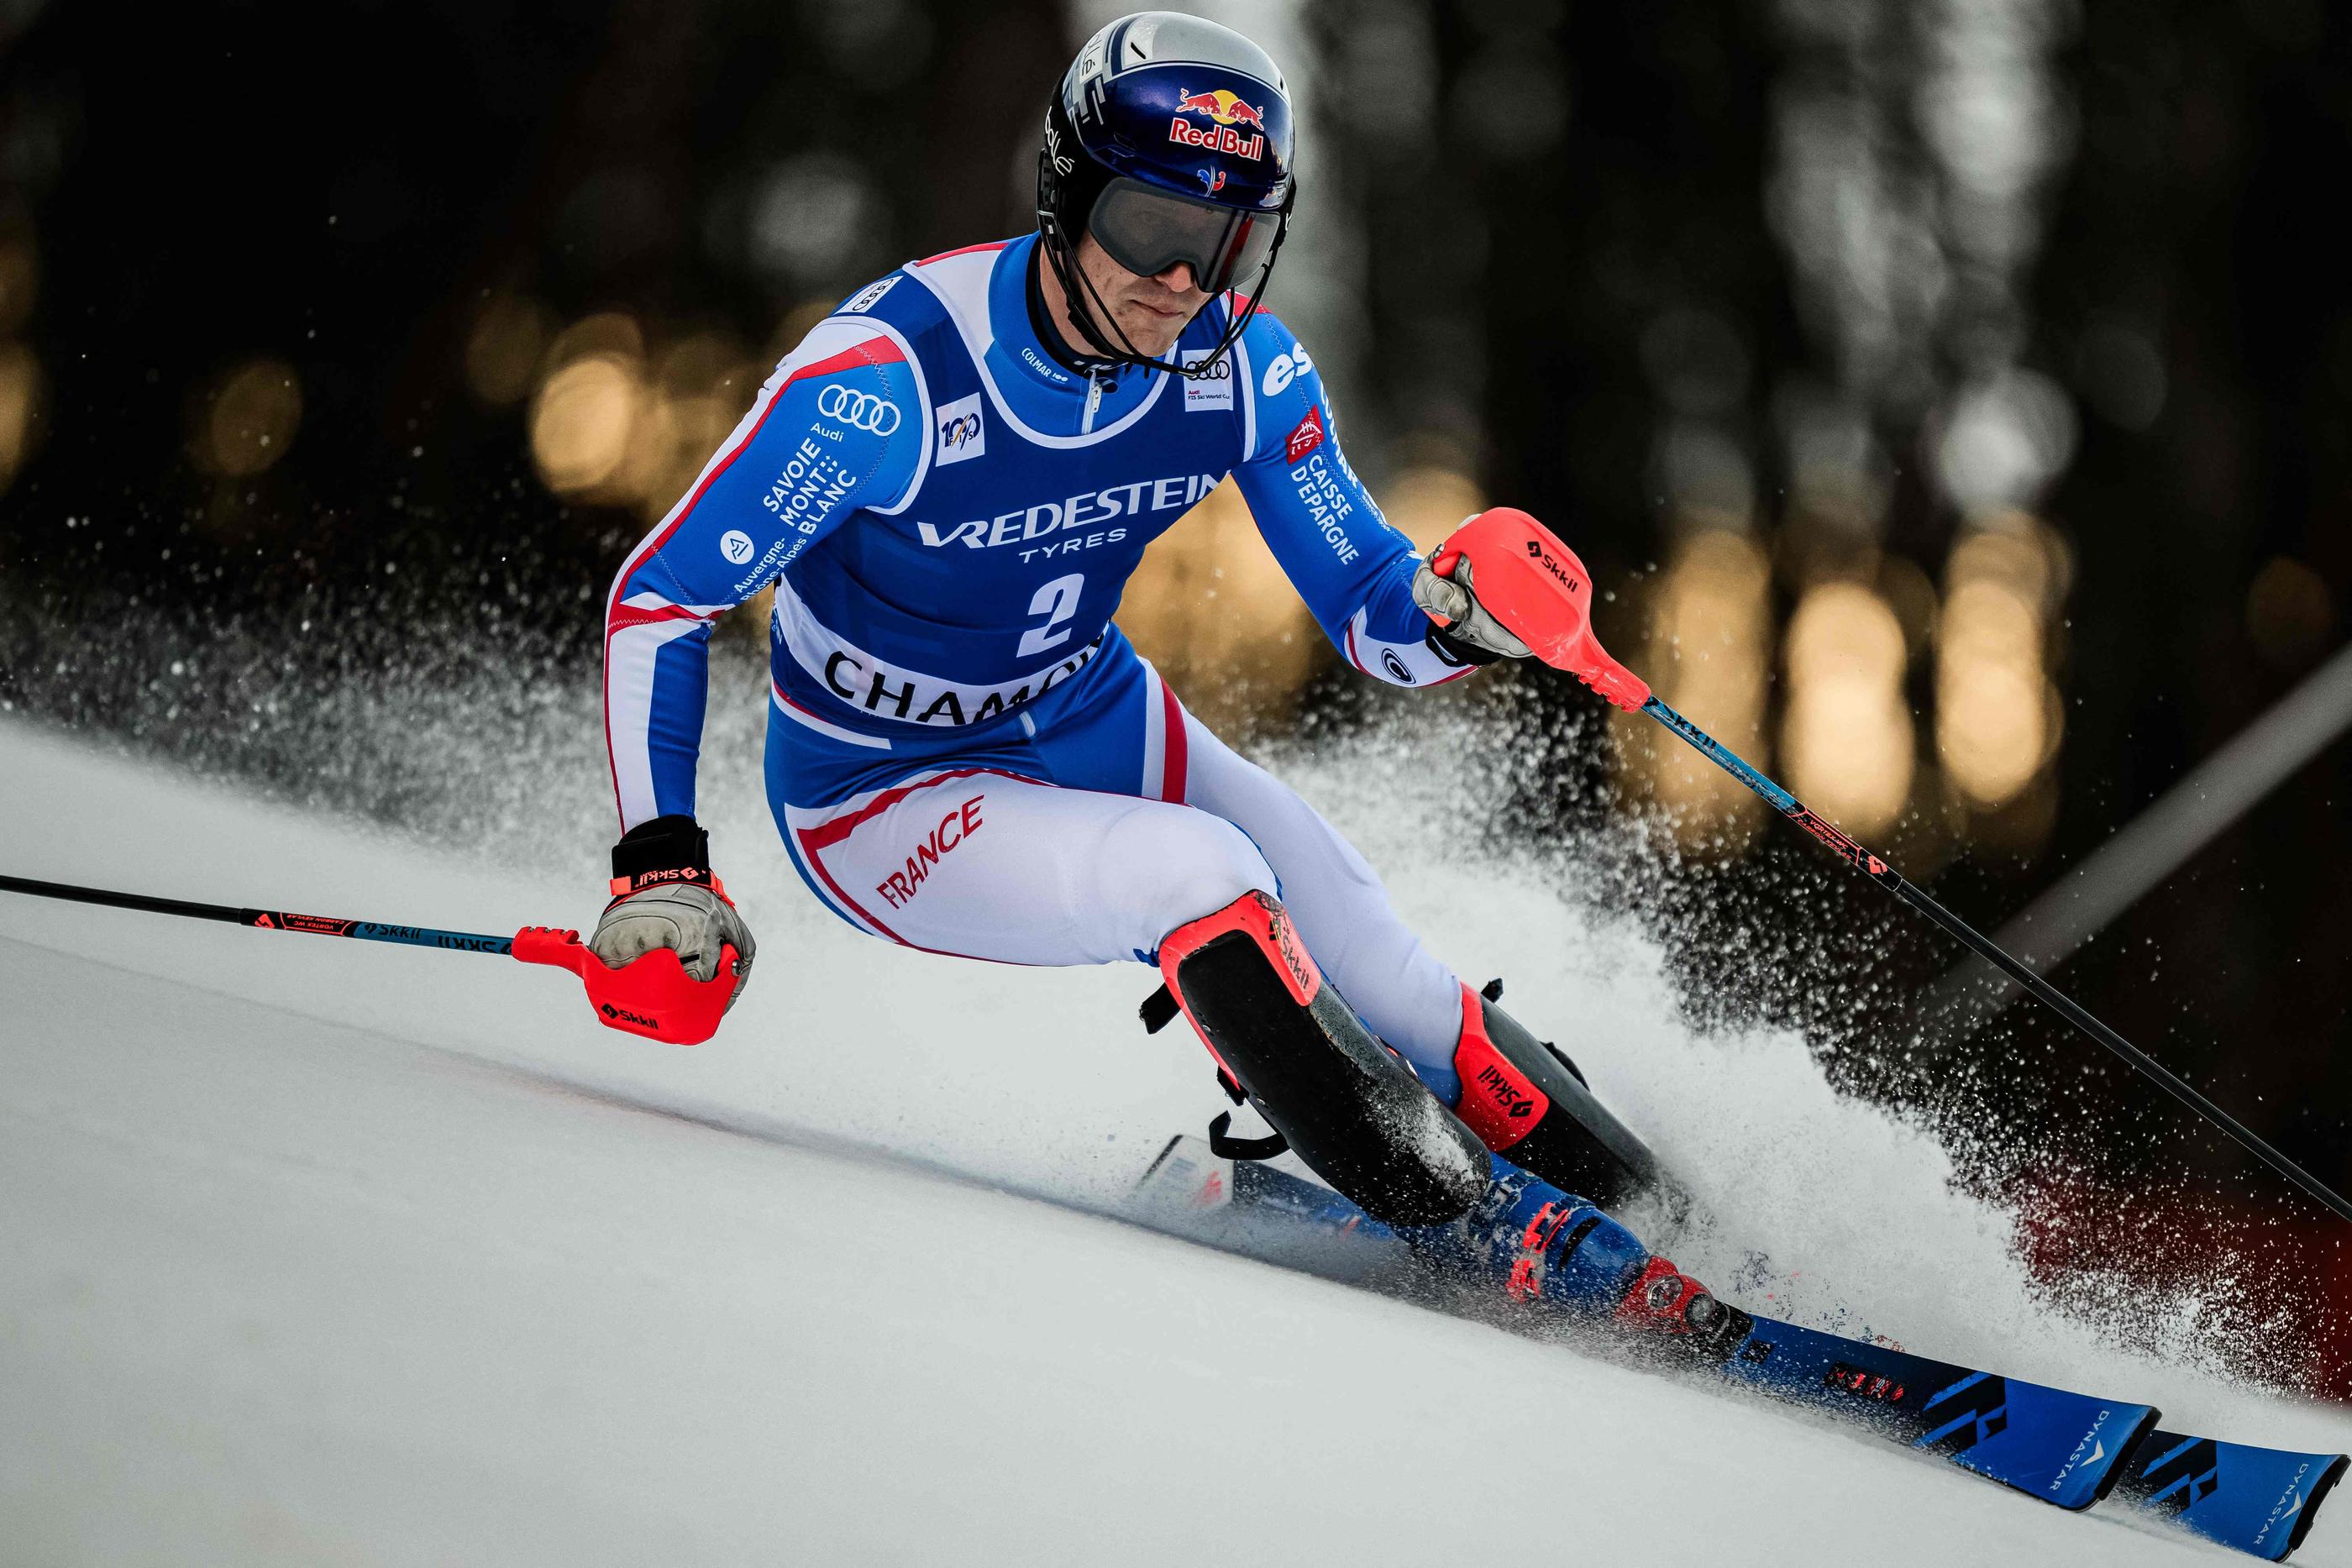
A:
{"points": [[274, 919], [652, 995], [1532, 582]]}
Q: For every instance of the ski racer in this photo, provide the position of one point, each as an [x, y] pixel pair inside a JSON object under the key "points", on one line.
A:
{"points": [[949, 483]]}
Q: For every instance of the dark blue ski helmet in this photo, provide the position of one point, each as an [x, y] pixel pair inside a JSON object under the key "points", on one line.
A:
{"points": [[1170, 141]]}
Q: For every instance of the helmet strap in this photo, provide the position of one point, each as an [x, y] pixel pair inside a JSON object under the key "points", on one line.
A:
{"points": [[1082, 306]]}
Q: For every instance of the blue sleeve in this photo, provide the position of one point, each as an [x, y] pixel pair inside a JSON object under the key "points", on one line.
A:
{"points": [[1354, 571], [839, 425]]}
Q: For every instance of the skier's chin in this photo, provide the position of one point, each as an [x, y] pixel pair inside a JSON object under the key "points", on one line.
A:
{"points": [[1153, 332]]}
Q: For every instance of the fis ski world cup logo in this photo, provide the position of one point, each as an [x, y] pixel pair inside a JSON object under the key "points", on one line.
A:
{"points": [[1227, 111]]}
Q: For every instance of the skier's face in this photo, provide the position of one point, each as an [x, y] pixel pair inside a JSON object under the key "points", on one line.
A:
{"points": [[1152, 311]]}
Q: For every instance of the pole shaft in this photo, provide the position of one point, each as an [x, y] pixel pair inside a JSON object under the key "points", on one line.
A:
{"points": [[266, 919], [1878, 870]]}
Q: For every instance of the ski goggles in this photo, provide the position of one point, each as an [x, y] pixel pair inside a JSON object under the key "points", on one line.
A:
{"points": [[1147, 230]]}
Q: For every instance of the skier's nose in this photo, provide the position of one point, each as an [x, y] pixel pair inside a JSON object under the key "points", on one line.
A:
{"points": [[1179, 278]]}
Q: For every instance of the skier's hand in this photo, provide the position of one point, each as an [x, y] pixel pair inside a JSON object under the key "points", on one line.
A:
{"points": [[1452, 603], [665, 896]]}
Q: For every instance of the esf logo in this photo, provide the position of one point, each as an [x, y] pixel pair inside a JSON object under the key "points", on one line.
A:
{"points": [[961, 434], [1286, 369], [859, 411]]}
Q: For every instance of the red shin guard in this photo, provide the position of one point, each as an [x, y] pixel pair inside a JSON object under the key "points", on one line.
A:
{"points": [[1501, 1104]]}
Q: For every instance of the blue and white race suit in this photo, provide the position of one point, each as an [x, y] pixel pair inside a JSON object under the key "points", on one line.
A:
{"points": [[964, 753]]}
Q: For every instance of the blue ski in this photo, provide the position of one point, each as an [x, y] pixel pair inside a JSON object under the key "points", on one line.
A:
{"points": [[2260, 1501], [2067, 1448]]}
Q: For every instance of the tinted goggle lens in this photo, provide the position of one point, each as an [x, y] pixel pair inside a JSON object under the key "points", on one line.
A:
{"points": [[1148, 231]]}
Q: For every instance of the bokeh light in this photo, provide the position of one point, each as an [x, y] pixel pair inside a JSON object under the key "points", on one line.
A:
{"points": [[247, 418], [581, 421], [20, 391], [510, 334], [2290, 614], [1428, 501], [1708, 646], [1997, 712], [20, 277], [1846, 733], [620, 419]]}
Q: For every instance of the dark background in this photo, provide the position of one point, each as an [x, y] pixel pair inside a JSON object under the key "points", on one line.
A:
{"points": [[1514, 199]]}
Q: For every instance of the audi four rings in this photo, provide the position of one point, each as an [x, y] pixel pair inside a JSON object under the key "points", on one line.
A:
{"points": [[864, 409]]}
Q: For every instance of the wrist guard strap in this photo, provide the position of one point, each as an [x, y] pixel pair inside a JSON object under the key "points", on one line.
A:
{"points": [[1454, 650], [664, 850]]}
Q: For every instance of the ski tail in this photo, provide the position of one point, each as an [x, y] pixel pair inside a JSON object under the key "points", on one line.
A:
{"points": [[2257, 1500]]}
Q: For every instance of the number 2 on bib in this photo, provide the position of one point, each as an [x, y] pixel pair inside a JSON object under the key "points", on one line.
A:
{"points": [[1056, 602]]}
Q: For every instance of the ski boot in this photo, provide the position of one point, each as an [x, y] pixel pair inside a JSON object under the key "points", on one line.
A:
{"points": [[1546, 1246], [1525, 1099]]}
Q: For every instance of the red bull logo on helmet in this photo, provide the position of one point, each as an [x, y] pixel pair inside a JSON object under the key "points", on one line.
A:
{"points": [[1227, 110]]}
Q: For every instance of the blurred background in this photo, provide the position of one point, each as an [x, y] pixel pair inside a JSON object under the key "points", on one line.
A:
{"points": [[1953, 400]]}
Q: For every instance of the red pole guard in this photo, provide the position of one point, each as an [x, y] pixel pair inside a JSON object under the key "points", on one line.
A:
{"points": [[1534, 586], [652, 995]]}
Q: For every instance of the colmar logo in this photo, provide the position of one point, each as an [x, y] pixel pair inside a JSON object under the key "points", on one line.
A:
{"points": [[736, 546], [1305, 436]]}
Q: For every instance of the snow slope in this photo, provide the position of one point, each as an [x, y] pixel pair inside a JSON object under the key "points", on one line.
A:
{"points": [[316, 1250]]}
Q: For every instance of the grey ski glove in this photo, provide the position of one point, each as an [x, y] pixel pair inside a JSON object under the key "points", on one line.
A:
{"points": [[1452, 603], [665, 895]]}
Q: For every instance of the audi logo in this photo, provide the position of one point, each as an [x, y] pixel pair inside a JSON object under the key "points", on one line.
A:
{"points": [[862, 410], [1222, 371], [954, 433]]}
